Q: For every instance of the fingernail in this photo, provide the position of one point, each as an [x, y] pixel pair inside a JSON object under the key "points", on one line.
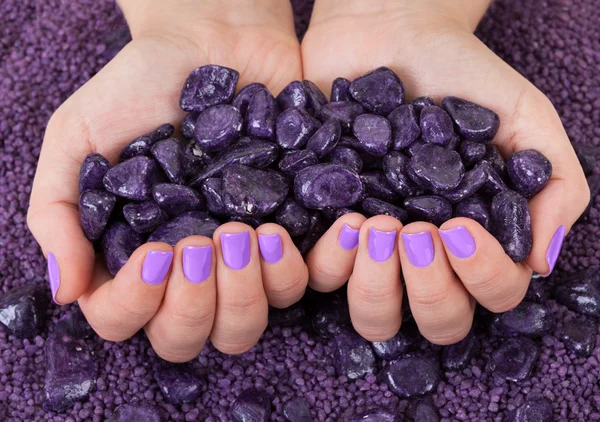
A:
{"points": [[554, 248], [459, 241], [348, 237], [156, 266], [236, 249], [381, 244], [419, 248], [270, 247], [53, 275], [197, 261]]}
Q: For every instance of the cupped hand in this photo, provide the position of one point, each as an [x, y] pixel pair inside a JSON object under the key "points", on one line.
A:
{"points": [[134, 93], [431, 46]]}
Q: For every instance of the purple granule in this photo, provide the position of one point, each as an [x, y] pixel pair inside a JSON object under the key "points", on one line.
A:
{"points": [[48, 49]]}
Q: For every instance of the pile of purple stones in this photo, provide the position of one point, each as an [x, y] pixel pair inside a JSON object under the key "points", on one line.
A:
{"points": [[301, 161]]}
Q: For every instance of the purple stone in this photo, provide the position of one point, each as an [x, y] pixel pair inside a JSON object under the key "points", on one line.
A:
{"points": [[343, 111], [251, 192], [469, 185], [315, 99], [316, 229], [287, 317], [529, 171], [297, 410], [261, 116], [435, 168], [374, 134], [377, 415], [374, 206], [294, 161], [176, 199], [494, 184], [327, 185], [588, 157], [340, 90], [332, 316], [142, 145], [164, 131], [253, 222], [178, 382], [23, 309], [134, 178], [425, 411], [292, 217], [294, 128], [395, 169], [251, 405], [532, 410], [473, 122], [493, 156], [346, 156], [194, 160], [243, 98], [376, 185], [73, 324], [192, 223], [421, 102], [511, 224], [293, 95], [474, 208], [144, 217], [95, 208], [471, 152], [581, 292], [188, 125], [412, 375], [135, 413], [340, 212], [207, 86], [405, 126], [70, 372], [433, 209], [119, 241], [527, 319], [326, 138], [379, 91], [458, 355], [436, 126], [514, 360], [579, 336], [169, 154], [218, 127], [413, 148], [353, 357], [405, 340], [211, 189], [92, 171], [536, 292]]}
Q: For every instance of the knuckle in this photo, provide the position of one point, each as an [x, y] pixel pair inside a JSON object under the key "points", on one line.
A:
{"points": [[375, 293], [324, 271], [192, 318], [427, 300], [249, 304], [287, 288], [134, 312]]}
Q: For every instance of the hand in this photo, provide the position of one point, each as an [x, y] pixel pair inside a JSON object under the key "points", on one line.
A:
{"points": [[132, 95], [430, 45]]}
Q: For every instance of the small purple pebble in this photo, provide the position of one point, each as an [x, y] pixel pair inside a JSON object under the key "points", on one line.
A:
{"points": [[431, 208], [340, 90], [473, 122], [395, 169], [192, 223], [211, 190], [74, 324], [294, 161], [343, 111], [413, 148], [435, 168], [379, 91], [261, 116], [375, 206], [118, 243], [458, 355], [140, 412], [95, 209], [326, 138], [293, 217], [254, 222], [376, 415], [421, 102], [536, 409], [297, 410], [581, 292], [327, 185], [144, 217], [529, 171], [194, 160], [134, 178], [346, 156], [188, 125], [436, 126], [142, 145], [176, 199], [425, 411], [376, 185], [331, 316], [218, 127], [579, 336], [92, 171], [293, 95], [511, 224], [494, 157], [207, 86], [469, 185], [471, 152], [514, 360], [494, 184], [243, 98], [294, 128], [178, 382], [169, 155], [353, 357], [405, 340], [251, 405], [528, 319], [374, 134], [315, 99], [316, 229], [23, 310], [474, 208], [405, 126], [412, 375]]}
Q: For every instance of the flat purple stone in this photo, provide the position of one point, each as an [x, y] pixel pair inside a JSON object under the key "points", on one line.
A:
{"points": [[579, 336], [294, 161], [287, 317], [297, 410], [95, 208], [207, 86], [412, 375], [431, 208], [379, 91], [425, 411], [261, 116], [293, 217], [536, 292], [211, 190], [119, 241], [405, 340], [251, 192], [294, 128], [340, 90], [514, 360], [421, 102], [436, 126], [176, 199], [178, 382], [376, 185], [472, 121], [405, 126], [70, 372], [188, 125], [315, 99], [192, 223], [458, 355], [144, 217], [293, 95], [74, 324], [374, 134], [536, 409], [353, 357], [169, 155], [316, 229], [326, 138], [343, 111], [142, 145], [395, 169], [494, 184], [413, 148], [494, 157], [251, 405], [471, 152], [194, 160], [346, 156], [472, 181], [581, 292], [135, 413], [218, 127], [327, 185], [527, 319], [243, 98], [375, 206], [23, 310], [474, 208], [332, 316], [529, 171], [511, 224], [92, 171], [377, 415], [134, 178], [435, 168]]}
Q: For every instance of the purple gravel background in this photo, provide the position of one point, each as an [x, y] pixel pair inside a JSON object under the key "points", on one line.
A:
{"points": [[48, 48]]}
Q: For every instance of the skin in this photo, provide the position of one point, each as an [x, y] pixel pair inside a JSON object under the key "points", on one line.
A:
{"points": [[429, 44]]}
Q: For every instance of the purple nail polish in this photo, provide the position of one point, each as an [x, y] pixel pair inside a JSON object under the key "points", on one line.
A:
{"points": [[270, 247], [554, 248], [53, 275], [236, 249], [459, 241], [348, 237], [156, 266], [381, 244], [419, 248], [196, 262]]}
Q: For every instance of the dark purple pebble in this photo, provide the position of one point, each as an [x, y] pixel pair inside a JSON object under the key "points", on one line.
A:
{"points": [[192, 223], [297, 410], [377, 415], [579, 336], [293, 217], [211, 190], [474, 208], [251, 405], [471, 152], [188, 125], [472, 121], [514, 360], [536, 409], [354, 357], [92, 172], [458, 355], [325, 139], [74, 324], [261, 116], [294, 128], [472, 181], [376, 185], [169, 154], [511, 224], [207, 86], [425, 411], [176, 199], [315, 99], [118, 243], [374, 134], [144, 217], [327, 185], [95, 208], [379, 91], [433, 209], [133, 179], [343, 111], [340, 90], [243, 98], [135, 413], [412, 375], [436, 126], [346, 156], [178, 382], [296, 160], [218, 127], [529, 171], [435, 168], [405, 126], [405, 340], [527, 319], [23, 310], [421, 102], [375, 206], [293, 95]]}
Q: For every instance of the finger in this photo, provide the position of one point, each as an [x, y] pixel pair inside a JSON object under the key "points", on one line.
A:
{"points": [[184, 320], [284, 273], [331, 260], [116, 309], [479, 261], [374, 288], [439, 302], [242, 307]]}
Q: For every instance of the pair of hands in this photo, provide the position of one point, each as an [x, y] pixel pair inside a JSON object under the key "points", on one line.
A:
{"points": [[432, 48]]}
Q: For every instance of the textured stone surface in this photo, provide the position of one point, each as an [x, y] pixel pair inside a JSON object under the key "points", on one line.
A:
{"points": [[207, 86], [23, 310], [192, 223], [343, 111], [178, 382], [74, 324], [118, 243], [144, 217], [218, 127], [395, 169], [375, 206], [472, 181], [412, 375], [527, 319], [292, 217], [353, 357], [295, 127], [421, 102], [243, 97], [315, 99], [293, 95], [435, 168], [374, 134], [346, 156], [458, 355], [433, 209], [532, 410], [92, 171], [169, 155], [326, 138], [579, 336], [134, 178], [294, 161], [327, 185], [581, 292], [188, 125], [251, 405], [474, 208], [340, 90], [211, 190], [529, 171], [297, 410], [514, 360], [511, 224], [471, 152], [376, 185], [95, 208], [261, 115], [379, 91], [436, 126], [377, 415], [473, 122], [406, 339], [176, 199], [405, 126], [135, 413], [143, 144]]}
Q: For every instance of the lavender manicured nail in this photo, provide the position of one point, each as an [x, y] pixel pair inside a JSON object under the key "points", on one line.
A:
{"points": [[156, 266], [459, 241], [419, 248], [270, 247], [554, 248], [381, 244], [236, 249], [196, 262], [53, 275], [348, 237]]}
